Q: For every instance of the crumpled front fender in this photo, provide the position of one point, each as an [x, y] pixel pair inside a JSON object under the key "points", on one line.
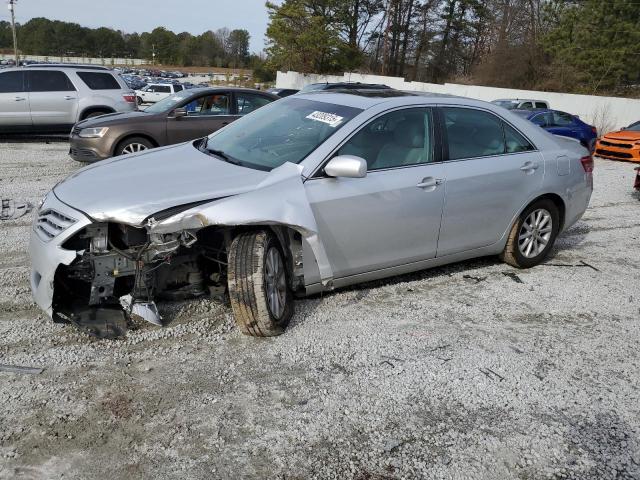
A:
{"points": [[280, 199]]}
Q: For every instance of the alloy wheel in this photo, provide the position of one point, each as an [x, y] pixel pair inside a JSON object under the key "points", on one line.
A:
{"points": [[535, 233], [133, 148], [275, 283]]}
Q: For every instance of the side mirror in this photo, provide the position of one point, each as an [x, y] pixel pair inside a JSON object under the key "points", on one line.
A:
{"points": [[179, 113], [348, 166]]}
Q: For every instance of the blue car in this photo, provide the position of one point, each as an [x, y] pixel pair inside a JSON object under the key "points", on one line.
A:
{"points": [[562, 123]]}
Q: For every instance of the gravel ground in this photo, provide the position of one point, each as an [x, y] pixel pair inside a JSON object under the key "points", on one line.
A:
{"points": [[458, 372]]}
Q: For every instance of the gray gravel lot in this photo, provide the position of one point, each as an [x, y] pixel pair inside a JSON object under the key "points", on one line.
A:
{"points": [[458, 372]]}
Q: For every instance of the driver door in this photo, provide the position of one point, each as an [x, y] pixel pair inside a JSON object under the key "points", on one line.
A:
{"points": [[392, 216], [205, 115]]}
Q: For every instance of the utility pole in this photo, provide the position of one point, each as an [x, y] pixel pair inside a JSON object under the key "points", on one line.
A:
{"points": [[13, 29]]}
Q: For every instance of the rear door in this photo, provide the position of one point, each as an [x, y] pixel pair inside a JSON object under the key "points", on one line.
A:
{"points": [[53, 99], [491, 171], [14, 100], [205, 115]]}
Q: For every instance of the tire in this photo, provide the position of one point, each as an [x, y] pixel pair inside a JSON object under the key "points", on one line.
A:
{"points": [[133, 145], [139, 100], [250, 256], [521, 253], [97, 113]]}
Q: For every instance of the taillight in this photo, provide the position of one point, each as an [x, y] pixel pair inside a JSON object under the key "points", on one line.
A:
{"points": [[129, 98], [587, 163]]}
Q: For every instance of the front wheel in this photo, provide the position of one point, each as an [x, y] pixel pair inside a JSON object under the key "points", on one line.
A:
{"points": [[532, 235], [133, 145], [257, 275]]}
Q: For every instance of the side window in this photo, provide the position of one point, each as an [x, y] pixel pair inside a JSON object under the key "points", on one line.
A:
{"points": [[163, 89], [526, 106], [543, 120], [397, 139], [99, 81], [247, 103], [49, 81], [562, 119], [11, 82], [177, 88], [541, 105], [209, 105], [472, 133], [514, 141]]}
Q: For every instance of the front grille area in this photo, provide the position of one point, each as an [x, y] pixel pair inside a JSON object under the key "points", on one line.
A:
{"points": [[83, 154], [617, 145], [51, 223], [75, 130], [610, 153]]}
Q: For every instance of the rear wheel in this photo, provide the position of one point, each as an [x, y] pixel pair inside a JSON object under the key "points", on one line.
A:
{"points": [[533, 235], [133, 145], [261, 299]]}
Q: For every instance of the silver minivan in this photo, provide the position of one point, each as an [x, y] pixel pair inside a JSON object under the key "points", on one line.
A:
{"points": [[53, 98]]}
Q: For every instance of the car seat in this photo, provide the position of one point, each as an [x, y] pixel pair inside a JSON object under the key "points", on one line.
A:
{"points": [[407, 147]]}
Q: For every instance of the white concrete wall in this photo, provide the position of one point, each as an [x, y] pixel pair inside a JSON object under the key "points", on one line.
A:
{"points": [[606, 113]]}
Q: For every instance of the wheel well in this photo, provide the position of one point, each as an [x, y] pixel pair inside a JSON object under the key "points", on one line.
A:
{"points": [[135, 135], [558, 202], [90, 110]]}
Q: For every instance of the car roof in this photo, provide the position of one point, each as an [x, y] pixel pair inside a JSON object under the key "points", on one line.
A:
{"points": [[367, 98], [200, 90], [518, 100], [65, 65]]}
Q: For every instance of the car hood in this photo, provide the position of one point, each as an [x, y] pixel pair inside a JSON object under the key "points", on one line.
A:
{"points": [[130, 188], [623, 135], [112, 119]]}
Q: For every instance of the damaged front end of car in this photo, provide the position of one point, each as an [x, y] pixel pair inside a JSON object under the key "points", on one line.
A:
{"points": [[120, 269]]}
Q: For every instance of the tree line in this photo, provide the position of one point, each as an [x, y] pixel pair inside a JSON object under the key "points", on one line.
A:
{"points": [[588, 46], [41, 36]]}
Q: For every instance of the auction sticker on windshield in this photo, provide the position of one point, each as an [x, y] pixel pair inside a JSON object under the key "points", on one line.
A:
{"points": [[328, 118]]}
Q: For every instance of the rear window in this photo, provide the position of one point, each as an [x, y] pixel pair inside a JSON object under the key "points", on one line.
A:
{"points": [[99, 81]]}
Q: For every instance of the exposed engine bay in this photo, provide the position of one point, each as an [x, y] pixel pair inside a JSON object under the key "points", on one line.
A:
{"points": [[120, 271]]}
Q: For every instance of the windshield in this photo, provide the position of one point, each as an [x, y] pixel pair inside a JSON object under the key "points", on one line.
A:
{"points": [[284, 131], [508, 104], [168, 103], [634, 127]]}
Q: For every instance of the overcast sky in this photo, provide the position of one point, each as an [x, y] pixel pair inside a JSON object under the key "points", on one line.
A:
{"points": [[193, 16]]}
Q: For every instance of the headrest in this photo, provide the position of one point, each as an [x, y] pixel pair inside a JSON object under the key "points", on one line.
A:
{"points": [[409, 134]]}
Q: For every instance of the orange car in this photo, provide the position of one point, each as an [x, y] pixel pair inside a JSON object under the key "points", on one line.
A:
{"points": [[620, 145]]}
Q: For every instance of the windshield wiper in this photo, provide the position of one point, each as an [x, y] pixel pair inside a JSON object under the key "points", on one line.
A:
{"points": [[223, 156]]}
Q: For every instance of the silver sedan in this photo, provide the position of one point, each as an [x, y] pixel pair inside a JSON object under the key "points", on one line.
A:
{"points": [[310, 193]]}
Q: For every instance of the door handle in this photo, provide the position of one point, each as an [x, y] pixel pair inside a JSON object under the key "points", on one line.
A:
{"points": [[69, 97], [430, 183], [529, 167], [20, 99]]}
